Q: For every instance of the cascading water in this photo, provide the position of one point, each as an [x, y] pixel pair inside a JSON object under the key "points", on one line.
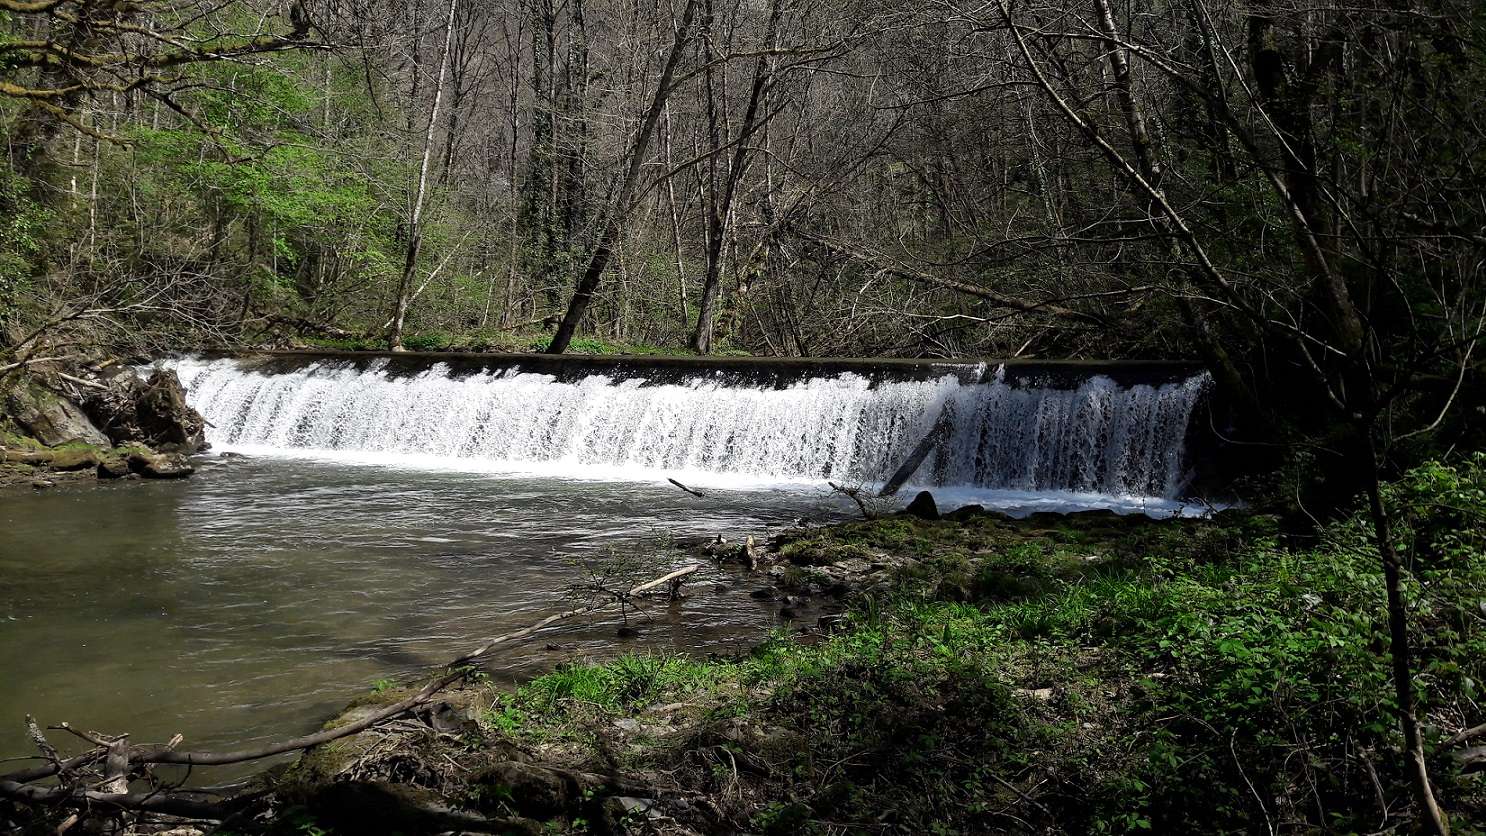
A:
{"points": [[1098, 438]]}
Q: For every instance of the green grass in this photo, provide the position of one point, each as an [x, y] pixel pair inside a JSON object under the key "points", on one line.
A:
{"points": [[1099, 676]]}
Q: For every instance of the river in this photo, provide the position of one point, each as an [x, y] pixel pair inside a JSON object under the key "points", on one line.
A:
{"points": [[253, 600]]}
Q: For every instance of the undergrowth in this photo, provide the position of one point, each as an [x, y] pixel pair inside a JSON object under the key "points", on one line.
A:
{"points": [[1096, 675]]}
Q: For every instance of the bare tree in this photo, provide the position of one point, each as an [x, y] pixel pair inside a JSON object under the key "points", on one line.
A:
{"points": [[617, 213], [420, 189]]}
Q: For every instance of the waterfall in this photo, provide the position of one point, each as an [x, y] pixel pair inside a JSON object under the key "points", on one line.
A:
{"points": [[1098, 438]]}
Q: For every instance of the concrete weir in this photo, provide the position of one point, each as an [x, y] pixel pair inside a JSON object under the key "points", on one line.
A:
{"points": [[1059, 374], [1105, 428]]}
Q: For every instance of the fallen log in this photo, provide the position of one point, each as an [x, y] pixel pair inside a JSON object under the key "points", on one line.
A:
{"points": [[911, 464], [1467, 734]]}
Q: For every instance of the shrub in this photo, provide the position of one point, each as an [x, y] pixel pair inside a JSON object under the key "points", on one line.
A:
{"points": [[428, 341]]}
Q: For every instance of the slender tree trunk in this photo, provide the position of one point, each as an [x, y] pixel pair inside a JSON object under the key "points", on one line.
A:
{"points": [[675, 220], [1140, 137], [1432, 817], [513, 51], [451, 134], [722, 211], [619, 212], [420, 191]]}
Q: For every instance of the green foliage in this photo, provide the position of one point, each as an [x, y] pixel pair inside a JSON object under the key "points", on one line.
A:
{"points": [[626, 682], [428, 341], [1094, 675], [347, 343], [579, 345], [23, 231], [597, 345]]}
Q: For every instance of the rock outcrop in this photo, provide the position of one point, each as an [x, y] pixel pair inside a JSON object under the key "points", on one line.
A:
{"points": [[104, 418], [923, 507], [153, 465], [151, 411], [50, 418]]}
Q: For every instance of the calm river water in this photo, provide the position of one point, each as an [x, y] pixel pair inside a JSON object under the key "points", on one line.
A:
{"points": [[254, 600]]}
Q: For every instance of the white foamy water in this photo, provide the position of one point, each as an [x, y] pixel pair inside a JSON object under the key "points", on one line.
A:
{"points": [[1070, 447]]}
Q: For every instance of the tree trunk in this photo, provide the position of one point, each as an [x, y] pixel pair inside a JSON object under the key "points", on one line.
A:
{"points": [[675, 221], [722, 210], [619, 212], [1430, 814], [420, 191]]}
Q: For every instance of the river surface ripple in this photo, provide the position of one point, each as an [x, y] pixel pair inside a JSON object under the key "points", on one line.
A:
{"points": [[254, 600]]}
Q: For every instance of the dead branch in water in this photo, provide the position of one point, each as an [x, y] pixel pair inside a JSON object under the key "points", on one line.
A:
{"points": [[101, 776], [691, 491], [856, 496]]}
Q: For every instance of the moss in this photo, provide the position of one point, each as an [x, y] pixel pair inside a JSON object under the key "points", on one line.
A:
{"points": [[320, 765], [823, 552], [75, 458], [16, 441]]}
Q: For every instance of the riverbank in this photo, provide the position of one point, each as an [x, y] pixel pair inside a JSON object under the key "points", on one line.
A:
{"points": [[1076, 674], [99, 419]]}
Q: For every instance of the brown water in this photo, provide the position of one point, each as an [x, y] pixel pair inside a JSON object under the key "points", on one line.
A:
{"points": [[252, 601]]}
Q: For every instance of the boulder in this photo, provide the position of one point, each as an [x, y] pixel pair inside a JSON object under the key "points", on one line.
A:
{"points": [[50, 418], [151, 411], [74, 459], [111, 467], [923, 507], [159, 465]]}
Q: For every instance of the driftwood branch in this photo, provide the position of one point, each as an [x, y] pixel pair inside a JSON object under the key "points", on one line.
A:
{"points": [[91, 384], [119, 757], [855, 495], [691, 491], [47, 750], [1466, 734]]}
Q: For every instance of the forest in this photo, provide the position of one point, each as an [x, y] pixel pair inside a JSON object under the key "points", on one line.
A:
{"points": [[1287, 194]]}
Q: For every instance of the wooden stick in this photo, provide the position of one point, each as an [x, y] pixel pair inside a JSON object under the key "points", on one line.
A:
{"points": [[856, 496], [79, 381], [695, 493], [47, 749], [1467, 734]]}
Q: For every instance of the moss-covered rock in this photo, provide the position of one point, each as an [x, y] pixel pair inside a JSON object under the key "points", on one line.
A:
{"points": [[77, 458], [50, 418], [152, 465], [113, 465]]}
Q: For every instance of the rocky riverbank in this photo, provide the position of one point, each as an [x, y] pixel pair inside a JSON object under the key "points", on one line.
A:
{"points": [[103, 420]]}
